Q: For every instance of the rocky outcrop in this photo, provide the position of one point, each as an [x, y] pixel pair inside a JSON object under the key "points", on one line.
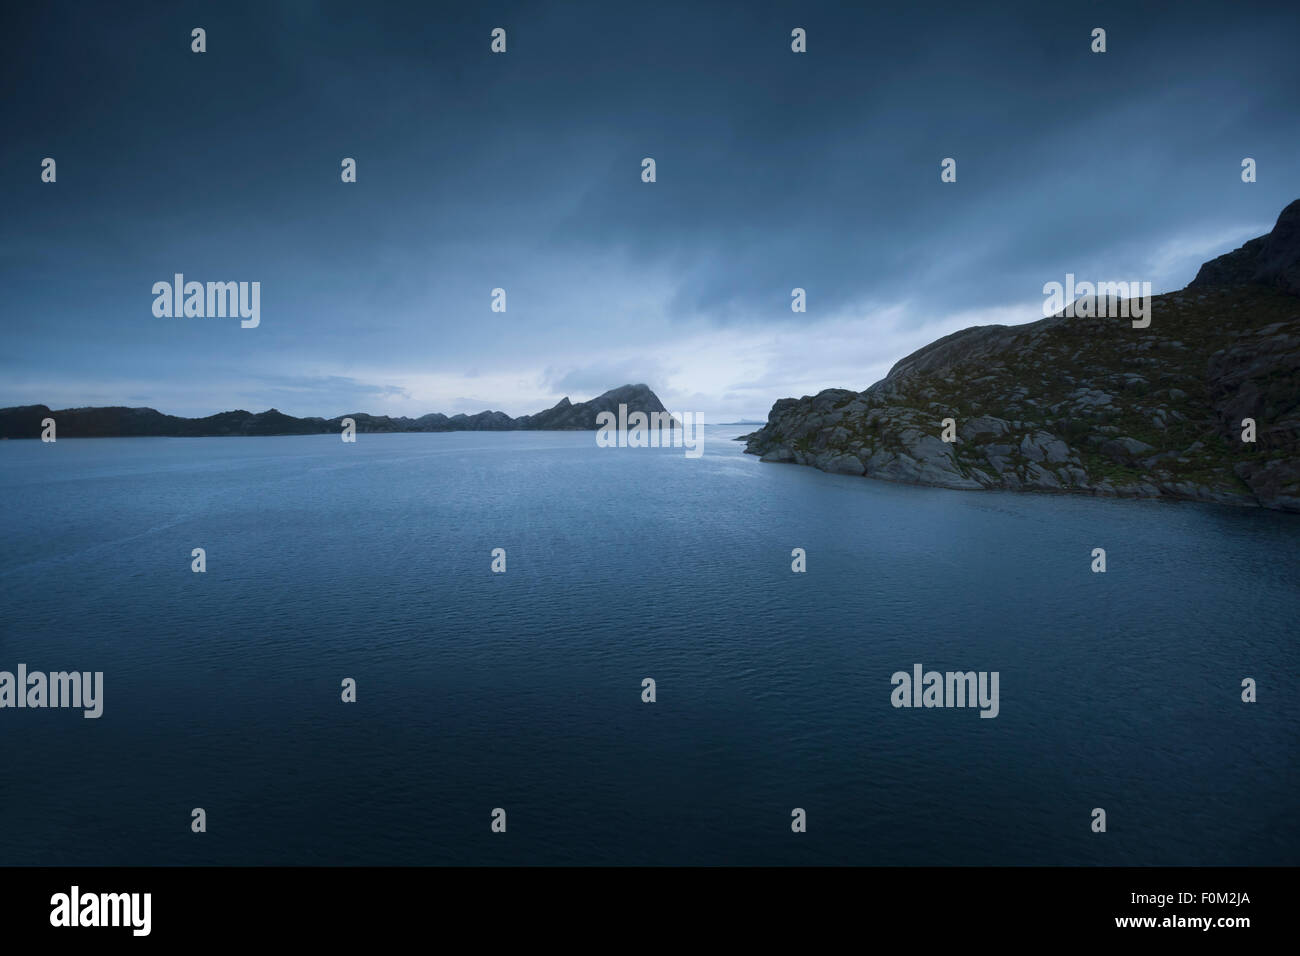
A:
{"points": [[115, 422], [1086, 404], [1272, 260]]}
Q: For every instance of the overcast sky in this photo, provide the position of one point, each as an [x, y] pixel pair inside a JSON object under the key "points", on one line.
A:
{"points": [[523, 171]]}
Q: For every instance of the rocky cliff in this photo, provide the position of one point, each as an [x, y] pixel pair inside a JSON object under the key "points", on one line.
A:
{"points": [[1089, 405]]}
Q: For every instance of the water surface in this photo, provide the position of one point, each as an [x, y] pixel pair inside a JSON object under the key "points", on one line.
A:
{"points": [[523, 690]]}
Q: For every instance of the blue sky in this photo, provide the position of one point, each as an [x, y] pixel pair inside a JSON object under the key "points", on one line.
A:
{"points": [[522, 171]]}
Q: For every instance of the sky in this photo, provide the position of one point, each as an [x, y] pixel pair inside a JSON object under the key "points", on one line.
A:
{"points": [[523, 171]]}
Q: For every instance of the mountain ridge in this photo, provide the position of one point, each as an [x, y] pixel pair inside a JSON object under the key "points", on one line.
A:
{"points": [[117, 421]]}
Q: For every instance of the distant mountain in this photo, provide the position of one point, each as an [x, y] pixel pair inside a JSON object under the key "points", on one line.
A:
{"points": [[1086, 404], [582, 417], [117, 422]]}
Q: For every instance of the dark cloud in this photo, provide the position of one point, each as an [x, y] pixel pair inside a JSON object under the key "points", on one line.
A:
{"points": [[523, 171]]}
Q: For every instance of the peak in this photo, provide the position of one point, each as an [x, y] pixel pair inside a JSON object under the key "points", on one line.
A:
{"points": [[1290, 215], [626, 390], [1271, 260]]}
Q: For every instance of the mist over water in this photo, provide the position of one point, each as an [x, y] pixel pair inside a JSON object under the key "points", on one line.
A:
{"points": [[523, 690]]}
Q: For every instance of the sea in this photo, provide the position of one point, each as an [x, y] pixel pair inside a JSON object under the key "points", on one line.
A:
{"points": [[502, 717]]}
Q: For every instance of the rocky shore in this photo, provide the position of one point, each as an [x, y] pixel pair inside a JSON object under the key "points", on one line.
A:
{"points": [[1089, 405]]}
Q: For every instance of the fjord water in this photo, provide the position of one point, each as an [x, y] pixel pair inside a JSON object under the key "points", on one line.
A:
{"points": [[522, 690]]}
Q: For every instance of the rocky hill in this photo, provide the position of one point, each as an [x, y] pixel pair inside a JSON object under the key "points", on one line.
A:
{"points": [[115, 422], [1089, 405]]}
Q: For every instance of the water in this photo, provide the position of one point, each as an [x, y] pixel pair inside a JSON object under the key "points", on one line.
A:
{"points": [[523, 690]]}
